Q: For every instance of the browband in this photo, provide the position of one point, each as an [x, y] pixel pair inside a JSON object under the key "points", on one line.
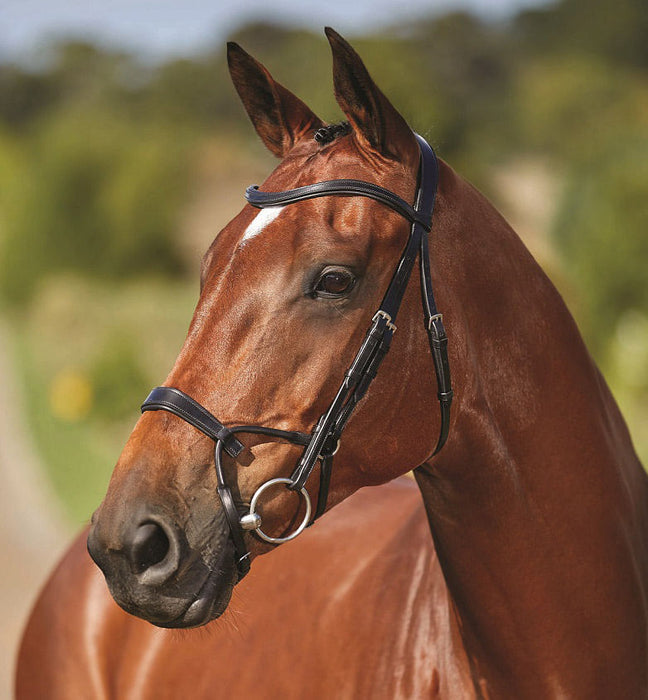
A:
{"points": [[343, 188]]}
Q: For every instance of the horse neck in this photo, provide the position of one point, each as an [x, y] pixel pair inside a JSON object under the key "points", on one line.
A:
{"points": [[537, 502]]}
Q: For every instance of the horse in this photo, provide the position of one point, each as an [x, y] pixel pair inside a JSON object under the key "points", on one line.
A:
{"points": [[521, 570]]}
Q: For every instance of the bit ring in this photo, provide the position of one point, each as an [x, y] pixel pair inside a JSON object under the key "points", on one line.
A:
{"points": [[303, 524]]}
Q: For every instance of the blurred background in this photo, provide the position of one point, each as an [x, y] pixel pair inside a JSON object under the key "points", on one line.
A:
{"points": [[123, 151]]}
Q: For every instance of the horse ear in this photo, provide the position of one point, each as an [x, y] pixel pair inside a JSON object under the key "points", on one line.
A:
{"points": [[377, 125], [279, 117]]}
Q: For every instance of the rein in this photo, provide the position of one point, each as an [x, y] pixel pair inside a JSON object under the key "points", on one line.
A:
{"points": [[324, 440]]}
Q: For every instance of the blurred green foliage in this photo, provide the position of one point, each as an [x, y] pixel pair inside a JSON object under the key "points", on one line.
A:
{"points": [[602, 228], [96, 196], [102, 157], [89, 353], [117, 376]]}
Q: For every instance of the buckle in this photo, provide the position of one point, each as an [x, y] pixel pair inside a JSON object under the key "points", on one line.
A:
{"points": [[383, 314], [436, 317], [324, 455]]}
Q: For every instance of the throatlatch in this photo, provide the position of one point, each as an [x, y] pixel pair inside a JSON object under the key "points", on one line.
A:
{"points": [[323, 442]]}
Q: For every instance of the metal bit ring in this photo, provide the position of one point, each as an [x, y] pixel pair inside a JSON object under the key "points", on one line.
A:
{"points": [[255, 500]]}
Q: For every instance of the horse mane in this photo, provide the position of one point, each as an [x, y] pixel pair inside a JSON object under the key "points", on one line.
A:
{"points": [[330, 132]]}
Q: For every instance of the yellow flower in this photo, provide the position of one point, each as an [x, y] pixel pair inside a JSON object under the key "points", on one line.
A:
{"points": [[70, 395]]}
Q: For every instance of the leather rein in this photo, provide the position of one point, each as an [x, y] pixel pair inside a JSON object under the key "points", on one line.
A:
{"points": [[323, 442]]}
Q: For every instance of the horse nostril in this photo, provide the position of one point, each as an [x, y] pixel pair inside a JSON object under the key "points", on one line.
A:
{"points": [[149, 547]]}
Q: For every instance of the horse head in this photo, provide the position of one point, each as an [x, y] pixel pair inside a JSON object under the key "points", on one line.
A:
{"points": [[287, 294]]}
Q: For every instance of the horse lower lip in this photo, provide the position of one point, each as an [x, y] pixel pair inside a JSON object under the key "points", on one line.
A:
{"points": [[198, 613], [201, 610]]}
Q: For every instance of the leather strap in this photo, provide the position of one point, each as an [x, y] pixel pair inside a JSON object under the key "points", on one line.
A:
{"points": [[343, 188], [326, 467], [166, 398], [437, 337], [233, 521]]}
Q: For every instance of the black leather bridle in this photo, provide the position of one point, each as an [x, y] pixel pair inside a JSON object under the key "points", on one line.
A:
{"points": [[323, 442]]}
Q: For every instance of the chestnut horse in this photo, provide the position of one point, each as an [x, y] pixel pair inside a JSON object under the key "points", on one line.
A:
{"points": [[535, 583]]}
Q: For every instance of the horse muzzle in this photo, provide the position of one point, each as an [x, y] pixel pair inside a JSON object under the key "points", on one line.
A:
{"points": [[153, 571]]}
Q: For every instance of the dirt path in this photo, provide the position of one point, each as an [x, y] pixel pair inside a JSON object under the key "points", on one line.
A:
{"points": [[33, 532]]}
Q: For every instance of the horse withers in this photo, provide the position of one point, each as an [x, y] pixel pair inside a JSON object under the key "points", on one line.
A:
{"points": [[536, 583]]}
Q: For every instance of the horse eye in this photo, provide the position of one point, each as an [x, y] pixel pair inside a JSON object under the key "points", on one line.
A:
{"points": [[334, 282]]}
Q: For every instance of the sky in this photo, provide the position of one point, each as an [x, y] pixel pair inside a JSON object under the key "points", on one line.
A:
{"points": [[162, 28]]}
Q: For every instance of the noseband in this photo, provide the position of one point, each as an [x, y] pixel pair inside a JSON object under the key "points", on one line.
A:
{"points": [[323, 442]]}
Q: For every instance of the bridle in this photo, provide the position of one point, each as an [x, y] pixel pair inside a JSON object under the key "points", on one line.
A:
{"points": [[324, 440]]}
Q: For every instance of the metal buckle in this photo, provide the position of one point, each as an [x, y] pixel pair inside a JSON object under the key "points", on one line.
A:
{"points": [[383, 314], [436, 317], [331, 454], [252, 520]]}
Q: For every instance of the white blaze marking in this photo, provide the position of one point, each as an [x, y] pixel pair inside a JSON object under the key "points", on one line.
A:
{"points": [[260, 221]]}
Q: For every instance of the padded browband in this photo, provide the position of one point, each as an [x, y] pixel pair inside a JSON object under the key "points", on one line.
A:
{"points": [[166, 398], [343, 188]]}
